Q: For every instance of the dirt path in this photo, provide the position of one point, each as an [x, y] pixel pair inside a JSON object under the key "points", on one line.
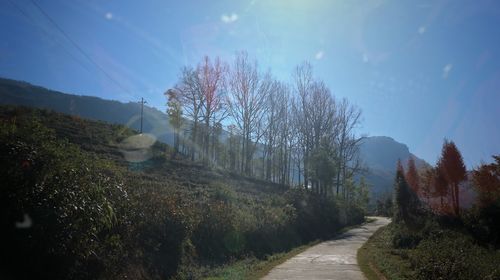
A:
{"points": [[334, 259]]}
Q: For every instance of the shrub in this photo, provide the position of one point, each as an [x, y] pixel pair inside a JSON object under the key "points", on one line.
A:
{"points": [[404, 238], [484, 223], [60, 190], [317, 216], [452, 255]]}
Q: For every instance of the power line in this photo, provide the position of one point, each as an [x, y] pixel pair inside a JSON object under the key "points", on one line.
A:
{"points": [[51, 37], [75, 44]]}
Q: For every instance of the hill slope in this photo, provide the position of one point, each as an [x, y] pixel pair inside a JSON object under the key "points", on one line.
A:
{"points": [[21, 93], [92, 213], [379, 153]]}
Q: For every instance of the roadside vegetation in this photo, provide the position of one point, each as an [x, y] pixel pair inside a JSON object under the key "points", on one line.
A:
{"points": [[73, 207], [432, 235]]}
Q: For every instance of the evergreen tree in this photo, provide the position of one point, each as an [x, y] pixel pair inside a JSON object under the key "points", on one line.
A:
{"points": [[441, 187], [407, 206], [452, 167], [401, 195], [412, 176]]}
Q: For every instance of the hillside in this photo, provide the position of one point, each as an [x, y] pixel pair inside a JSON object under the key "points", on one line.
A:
{"points": [[21, 93], [379, 153], [90, 213]]}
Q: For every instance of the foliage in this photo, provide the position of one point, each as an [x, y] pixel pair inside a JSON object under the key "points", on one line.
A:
{"points": [[401, 196], [408, 208], [362, 194], [97, 216], [412, 176], [434, 252], [67, 195], [384, 207], [378, 257], [453, 255], [487, 182], [433, 244], [452, 168]]}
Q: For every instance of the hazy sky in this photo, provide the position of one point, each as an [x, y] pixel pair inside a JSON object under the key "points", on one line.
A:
{"points": [[420, 70]]}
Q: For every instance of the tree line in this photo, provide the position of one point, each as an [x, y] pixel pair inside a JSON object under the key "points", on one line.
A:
{"points": [[419, 189], [438, 190], [237, 117]]}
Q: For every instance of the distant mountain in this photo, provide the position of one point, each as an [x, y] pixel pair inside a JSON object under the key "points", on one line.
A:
{"points": [[21, 93], [379, 153]]}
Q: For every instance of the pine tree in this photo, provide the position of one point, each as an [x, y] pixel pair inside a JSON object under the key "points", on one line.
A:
{"points": [[401, 195], [440, 186], [412, 176], [452, 166]]}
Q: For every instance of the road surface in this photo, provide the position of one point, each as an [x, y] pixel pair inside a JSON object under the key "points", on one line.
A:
{"points": [[334, 259]]}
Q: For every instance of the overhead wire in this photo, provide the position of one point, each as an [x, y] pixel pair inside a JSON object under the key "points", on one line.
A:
{"points": [[49, 36], [77, 46]]}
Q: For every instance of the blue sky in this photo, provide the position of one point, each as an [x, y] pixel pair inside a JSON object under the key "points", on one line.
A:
{"points": [[420, 70]]}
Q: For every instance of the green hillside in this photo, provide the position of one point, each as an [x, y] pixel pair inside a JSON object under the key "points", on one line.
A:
{"points": [[90, 213], [379, 154]]}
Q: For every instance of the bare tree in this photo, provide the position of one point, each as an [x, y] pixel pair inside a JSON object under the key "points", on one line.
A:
{"points": [[301, 133], [303, 81], [248, 91], [191, 97], [210, 77], [348, 118]]}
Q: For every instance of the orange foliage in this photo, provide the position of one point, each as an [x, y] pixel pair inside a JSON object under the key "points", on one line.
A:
{"points": [[451, 166], [412, 176]]}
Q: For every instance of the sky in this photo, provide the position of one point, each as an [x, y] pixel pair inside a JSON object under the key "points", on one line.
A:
{"points": [[420, 71]]}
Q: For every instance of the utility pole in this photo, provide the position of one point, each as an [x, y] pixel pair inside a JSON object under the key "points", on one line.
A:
{"points": [[142, 110]]}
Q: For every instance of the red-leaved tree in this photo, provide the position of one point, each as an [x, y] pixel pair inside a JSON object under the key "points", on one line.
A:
{"points": [[451, 166], [412, 176]]}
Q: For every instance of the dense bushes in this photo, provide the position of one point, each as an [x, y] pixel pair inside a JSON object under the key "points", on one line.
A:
{"points": [[65, 202], [484, 223], [436, 252], [431, 253], [453, 255], [93, 218]]}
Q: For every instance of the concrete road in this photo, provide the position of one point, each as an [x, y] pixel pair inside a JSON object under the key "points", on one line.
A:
{"points": [[334, 259]]}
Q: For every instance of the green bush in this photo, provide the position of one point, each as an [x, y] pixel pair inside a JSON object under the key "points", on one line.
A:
{"points": [[452, 255], [215, 236], [484, 223], [317, 216], [96, 216], [57, 187], [404, 238]]}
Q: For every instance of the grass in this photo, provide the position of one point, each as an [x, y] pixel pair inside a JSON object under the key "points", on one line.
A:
{"points": [[439, 253], [253, 268], [377, 260]]}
